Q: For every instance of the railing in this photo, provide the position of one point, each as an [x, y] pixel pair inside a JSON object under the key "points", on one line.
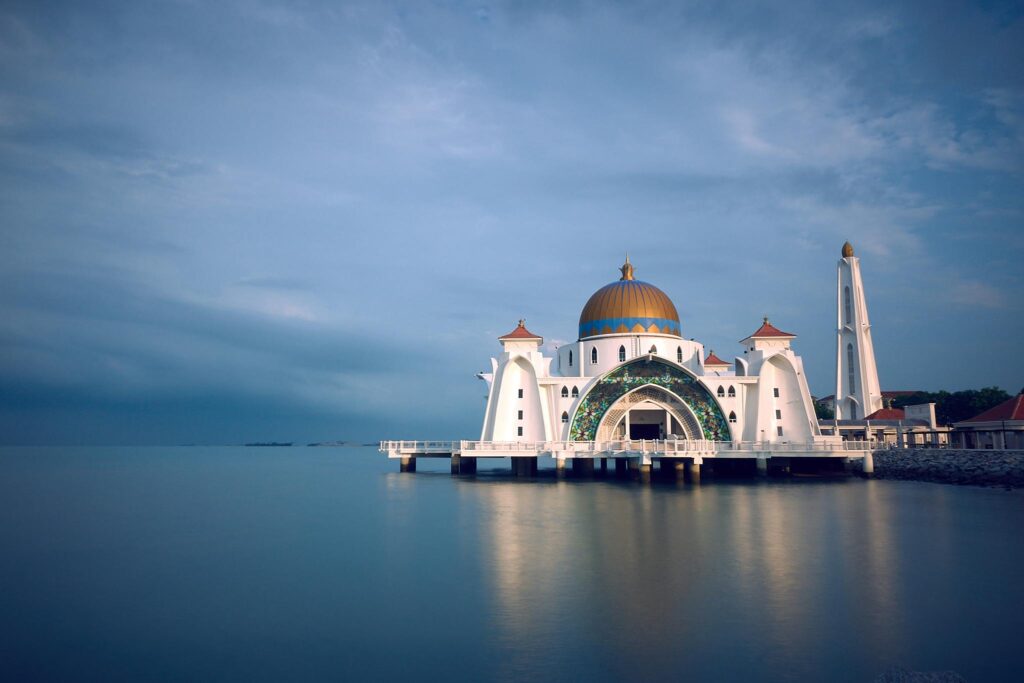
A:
{"points": [[657, 447]]}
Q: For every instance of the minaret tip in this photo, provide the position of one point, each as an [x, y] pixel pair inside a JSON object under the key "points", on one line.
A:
{"points": [[847, 250]]}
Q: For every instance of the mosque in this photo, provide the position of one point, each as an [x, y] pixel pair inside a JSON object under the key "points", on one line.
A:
{"points": [[632, 375]]}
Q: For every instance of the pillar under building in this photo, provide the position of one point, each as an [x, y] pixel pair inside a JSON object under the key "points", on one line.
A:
{"points": [[524, 467], [407, 464], [467, 465]]}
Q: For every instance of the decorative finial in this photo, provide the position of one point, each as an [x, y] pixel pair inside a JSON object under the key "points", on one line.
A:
{"points": [[766, 320], [627, 269], [522, 322], [847, 250]]}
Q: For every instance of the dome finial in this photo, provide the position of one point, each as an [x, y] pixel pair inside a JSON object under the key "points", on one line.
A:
{"points": [[522, 322], [847, 250], [627, 269]]}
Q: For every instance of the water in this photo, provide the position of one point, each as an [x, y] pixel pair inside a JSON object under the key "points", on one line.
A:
{"points": [[317, 563]]}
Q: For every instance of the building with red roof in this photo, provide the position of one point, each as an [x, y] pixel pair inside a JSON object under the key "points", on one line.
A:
{"points": [[1001, 427]]}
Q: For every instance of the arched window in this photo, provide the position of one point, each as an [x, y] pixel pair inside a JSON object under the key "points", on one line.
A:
{"points": [[849, 362], [565, 417], [593, 355], [575, 392], [570, 359], [732, 416], [853, 410], [847, 307], [565, 392], [622, 354], [732, 393], [721, 392], [679, 355], [654, 349]]}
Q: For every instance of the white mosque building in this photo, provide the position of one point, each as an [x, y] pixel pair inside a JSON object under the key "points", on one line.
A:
{"points": [[632, 375]]}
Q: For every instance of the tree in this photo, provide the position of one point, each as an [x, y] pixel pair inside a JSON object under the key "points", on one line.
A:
{"points": [[823, 412], [956, 406]]}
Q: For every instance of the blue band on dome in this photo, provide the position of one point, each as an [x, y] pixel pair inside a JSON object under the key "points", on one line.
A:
{"points": [[592, 328]]}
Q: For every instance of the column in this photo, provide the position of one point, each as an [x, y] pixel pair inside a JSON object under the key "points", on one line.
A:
{"points": [[456, 458], [762, 467], [407, 464], [467, 465], [693, 471]]}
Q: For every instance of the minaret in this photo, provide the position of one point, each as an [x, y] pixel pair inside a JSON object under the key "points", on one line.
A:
{"points": [[858, 393]]}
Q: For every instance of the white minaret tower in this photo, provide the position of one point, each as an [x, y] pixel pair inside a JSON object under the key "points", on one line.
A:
{"points": [[858, 393]]}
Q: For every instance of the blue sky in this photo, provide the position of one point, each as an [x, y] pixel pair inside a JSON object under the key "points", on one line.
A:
{"points": [[300, 221]]}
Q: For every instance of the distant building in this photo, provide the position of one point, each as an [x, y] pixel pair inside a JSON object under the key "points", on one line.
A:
{"points": [[999, 427], [904, 427]]}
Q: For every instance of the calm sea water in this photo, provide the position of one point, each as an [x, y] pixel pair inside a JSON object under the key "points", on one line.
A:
{"points": [[327, 564]]}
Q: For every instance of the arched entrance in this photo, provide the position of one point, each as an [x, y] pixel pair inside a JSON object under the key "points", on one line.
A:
{"points": [[689, 397], [650, 412]]}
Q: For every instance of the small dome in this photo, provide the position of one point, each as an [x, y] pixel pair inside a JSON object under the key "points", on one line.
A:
{"points": [[629, 307], [847, 250]]}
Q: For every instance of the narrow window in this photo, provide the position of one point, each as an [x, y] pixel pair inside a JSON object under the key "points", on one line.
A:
{"points": [[565, 417], [775, 392], [846, 305], [732, 393], [779, 430], [519, 431], [732, 416], [654, 349], [778, 414], [575, 392], [520, 415], [593, 355], [853, 410], [520, 393], [565, 392], [679, 355], [622, 354], [849, 362], [721, 392], [570, 359]]}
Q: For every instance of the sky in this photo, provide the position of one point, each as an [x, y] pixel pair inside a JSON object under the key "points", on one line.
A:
{"points": [[238, 221]]}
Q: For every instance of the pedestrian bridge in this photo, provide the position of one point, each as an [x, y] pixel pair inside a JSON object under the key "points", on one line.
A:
{"points": [[629, 448]]}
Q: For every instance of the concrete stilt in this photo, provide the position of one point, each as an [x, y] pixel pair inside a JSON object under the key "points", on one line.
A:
{"points": [[560, 467], [604, 466], [455, 463], [407, 464], [524, 467], [868, 466], [679, 469], [467, 465], [645, 471], [620, 467], [693, 472], [762, 467]]}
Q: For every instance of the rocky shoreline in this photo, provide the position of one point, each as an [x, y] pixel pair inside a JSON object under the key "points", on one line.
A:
{"points": [[953, 466]]}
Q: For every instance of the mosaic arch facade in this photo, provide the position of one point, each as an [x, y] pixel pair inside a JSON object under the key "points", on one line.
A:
{"points": [[648, 371]]}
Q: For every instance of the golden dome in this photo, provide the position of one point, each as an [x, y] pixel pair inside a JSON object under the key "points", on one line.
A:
{"points": [[629, 307], [847, 250]]}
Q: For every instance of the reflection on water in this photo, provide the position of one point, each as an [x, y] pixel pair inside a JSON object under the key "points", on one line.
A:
{"points": [[793, 580], [327, 564]]}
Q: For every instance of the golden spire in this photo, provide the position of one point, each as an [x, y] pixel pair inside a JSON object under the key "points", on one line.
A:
{"points": [[627, 269], [847, 250]]}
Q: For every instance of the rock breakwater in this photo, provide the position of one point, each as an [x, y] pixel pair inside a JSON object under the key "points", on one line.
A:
{"points": [[953, 466]]}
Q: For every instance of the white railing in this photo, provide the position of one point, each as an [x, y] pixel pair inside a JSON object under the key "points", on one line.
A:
{"points": [[659, 447]]}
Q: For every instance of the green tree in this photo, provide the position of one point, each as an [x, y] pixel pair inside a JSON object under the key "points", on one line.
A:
{"points": [[823, 412], [958, 405]]}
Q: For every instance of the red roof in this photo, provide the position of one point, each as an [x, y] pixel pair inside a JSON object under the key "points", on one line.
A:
{"points": [[769, 330], [1012, 409], [520, 333], [712, 359], [887, 414]]}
